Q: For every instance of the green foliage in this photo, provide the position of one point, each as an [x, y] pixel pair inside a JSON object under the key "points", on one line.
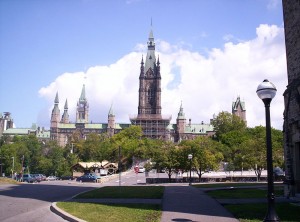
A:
{"points": [[241, 147], [226, 122], [205, 154]]}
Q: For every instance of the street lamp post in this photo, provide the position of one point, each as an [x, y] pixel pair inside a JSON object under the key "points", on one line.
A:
{"points": [[266, 91], [190, 157], [13, 167]]}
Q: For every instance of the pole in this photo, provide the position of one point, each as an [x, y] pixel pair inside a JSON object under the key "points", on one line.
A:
{"points": [[271, 214], [190, 172], [13, 167], [119, 166]]}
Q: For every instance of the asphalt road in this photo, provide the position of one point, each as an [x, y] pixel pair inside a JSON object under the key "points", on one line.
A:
{"points": [[31, 202]]}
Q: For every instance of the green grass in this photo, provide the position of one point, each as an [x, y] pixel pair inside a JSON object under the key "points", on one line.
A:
{"points": [[113, 212], [5, 180], [145, 192], [256, 212], [242, 193], [228, 184]]}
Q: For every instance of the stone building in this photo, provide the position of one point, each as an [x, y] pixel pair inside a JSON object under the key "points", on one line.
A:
{"points": [[149, 117], [6, 122], [239, 109], [154, 124], [291, 127], [62, 129]]}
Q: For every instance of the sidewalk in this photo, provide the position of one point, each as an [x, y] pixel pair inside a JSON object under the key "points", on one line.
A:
{"points": [[179, 203], [187, 203]]}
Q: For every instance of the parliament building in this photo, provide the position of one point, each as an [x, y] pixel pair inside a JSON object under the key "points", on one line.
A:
{"points": [[149, 116]]}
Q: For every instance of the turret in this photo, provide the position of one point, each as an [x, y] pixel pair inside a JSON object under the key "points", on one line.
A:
{"points": [[181, 121], [111, 122], [65, 116], [55, 118], [82, 114]]}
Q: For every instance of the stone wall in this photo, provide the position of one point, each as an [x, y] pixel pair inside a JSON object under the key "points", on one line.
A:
{"points": [[291, 15]]}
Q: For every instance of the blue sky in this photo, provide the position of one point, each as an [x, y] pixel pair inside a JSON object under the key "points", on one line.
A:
{"points": [[210, 52]]}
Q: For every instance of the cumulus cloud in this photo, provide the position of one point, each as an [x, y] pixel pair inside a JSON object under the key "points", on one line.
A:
{"points": [[205, 84]]}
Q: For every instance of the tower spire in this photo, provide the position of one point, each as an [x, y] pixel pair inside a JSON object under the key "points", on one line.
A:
{"points": [[82, 96], [65, 116]]}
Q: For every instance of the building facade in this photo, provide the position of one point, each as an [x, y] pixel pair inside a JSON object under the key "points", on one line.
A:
{"points": [[154, 124], [62, 129], [291, 127], [239, 109], [149, 117]]}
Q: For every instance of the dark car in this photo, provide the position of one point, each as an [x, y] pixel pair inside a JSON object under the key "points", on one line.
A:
{"points": [[29, 178], [278, 173], [86, 178]]}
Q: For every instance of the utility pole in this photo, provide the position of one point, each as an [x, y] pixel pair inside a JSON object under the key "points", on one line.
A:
{"points": [[13, 167]]}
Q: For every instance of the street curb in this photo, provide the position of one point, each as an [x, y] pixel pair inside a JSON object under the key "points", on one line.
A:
{"points": [[55, 209]]}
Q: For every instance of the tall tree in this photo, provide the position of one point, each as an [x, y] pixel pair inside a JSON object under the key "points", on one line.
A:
{"points": [[226, 122]]}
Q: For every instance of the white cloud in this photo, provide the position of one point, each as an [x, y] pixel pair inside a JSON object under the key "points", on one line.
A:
{"points": [[206, 85]]}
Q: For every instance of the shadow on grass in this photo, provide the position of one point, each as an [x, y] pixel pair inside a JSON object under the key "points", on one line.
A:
{"points": [[287, 212]]}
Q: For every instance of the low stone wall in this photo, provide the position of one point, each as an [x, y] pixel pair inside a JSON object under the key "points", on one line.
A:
{"points": [[151, 180]]}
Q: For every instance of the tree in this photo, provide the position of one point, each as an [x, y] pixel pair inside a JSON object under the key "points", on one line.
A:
{"points": [[254, 149], [226, 122], [205, 154], [168, 158]]}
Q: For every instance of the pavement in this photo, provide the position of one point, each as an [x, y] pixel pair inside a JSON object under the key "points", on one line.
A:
{"points": [[187, 203], [181, 203]]}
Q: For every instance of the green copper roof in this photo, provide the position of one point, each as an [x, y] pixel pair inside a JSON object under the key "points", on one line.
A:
{"points": [[67, 125], [82, 96], [150, 58], [17, 131], [238, 103], [198, 128], [181, 113]]}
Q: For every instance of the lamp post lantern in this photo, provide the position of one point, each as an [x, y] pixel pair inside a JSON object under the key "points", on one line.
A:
{"points": [[190, 157], [266, 91]]}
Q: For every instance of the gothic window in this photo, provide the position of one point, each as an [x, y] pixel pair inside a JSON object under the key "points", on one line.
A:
{"points": [[151, 95]]}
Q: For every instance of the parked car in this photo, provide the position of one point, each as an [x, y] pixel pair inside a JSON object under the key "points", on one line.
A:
{"points": [[86, 178], [51, 178], [96, 176], [278, 173], [141, 169], [29, 178], [38, 177]]}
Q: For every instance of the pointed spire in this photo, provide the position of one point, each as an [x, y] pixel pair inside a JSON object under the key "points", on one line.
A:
{"points": [[56, 100], [181, 113], [111, 112], [142, 62], [82, 96], [66, 105], [158, 63], [65, 116], [142, 74]]}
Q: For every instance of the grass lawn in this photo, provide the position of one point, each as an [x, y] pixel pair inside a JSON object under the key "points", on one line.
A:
{"points": [[242, 193], [256, 212], [145, 192], [5, 180], [113, 212]]}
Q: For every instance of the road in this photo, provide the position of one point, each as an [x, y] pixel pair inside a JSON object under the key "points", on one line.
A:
{"points": [[31, 202]]}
